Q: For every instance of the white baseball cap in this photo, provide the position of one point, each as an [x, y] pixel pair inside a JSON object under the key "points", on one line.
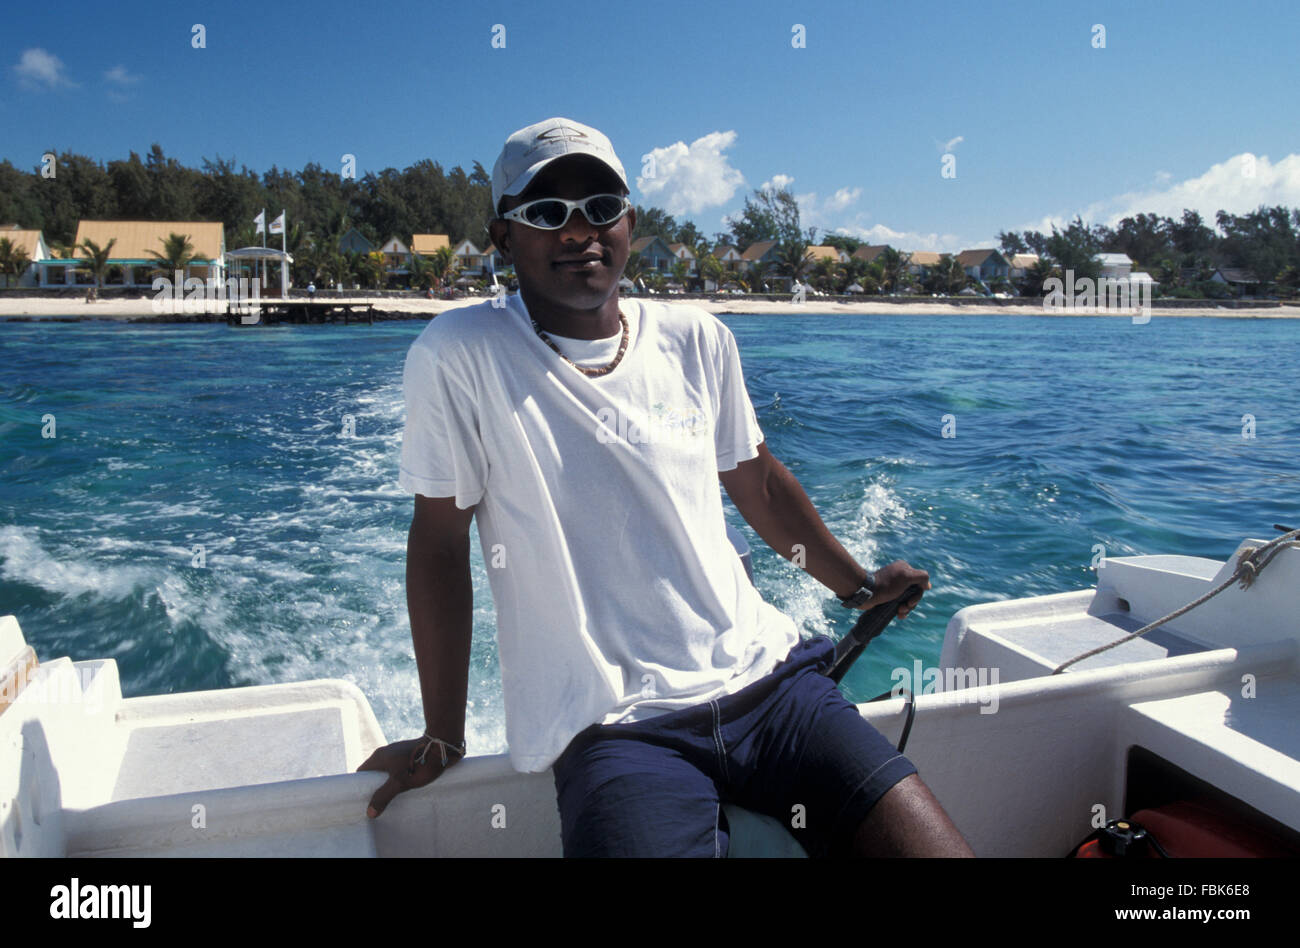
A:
{"points": [[531, 149]]}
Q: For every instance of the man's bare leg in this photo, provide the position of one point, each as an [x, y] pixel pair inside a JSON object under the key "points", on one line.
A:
{"points": [[908, 821]]}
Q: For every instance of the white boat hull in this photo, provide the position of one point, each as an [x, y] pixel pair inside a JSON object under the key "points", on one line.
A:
{"points": [[1023, 765]]}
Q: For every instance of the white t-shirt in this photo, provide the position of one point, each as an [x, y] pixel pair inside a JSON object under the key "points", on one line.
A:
{"points": [[618, 596]]}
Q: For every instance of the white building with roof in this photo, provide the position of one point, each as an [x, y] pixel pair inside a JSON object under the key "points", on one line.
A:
{"points": [[1117, 266], [132, 258], [32, 243]]}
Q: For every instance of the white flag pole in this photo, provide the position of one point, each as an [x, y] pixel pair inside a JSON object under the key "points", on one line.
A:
{"points": [[261, 226], [284, 249]]}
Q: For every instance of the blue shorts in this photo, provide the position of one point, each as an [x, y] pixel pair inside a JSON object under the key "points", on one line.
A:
{"points": [[788, 745]]}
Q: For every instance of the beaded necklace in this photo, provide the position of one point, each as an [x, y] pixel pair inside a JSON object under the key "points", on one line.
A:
{"points": [[589, 371]]}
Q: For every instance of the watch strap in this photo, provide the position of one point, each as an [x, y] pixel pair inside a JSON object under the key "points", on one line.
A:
{"points": [[864, 592]]}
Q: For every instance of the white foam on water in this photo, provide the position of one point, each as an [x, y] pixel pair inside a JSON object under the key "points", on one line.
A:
{"points": [[331, 601], [27, 561], [117, 464], [856, 526], [312, 587]]}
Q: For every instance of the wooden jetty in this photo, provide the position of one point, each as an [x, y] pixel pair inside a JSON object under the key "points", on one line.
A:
{"points": [[270, 312]]}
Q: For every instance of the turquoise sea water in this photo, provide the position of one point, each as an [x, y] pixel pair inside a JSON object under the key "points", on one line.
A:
{"points": [[1069, 432]]}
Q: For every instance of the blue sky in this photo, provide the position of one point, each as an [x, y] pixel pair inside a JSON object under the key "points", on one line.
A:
{"points": [[1043, 124]]}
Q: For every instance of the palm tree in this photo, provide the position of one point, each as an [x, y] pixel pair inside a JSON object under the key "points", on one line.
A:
{"points": [[894, 265], [857, 271], [423, 276], [680, 270], [97, 259], [829, 275], [177, 254], [1042, 271], [792, 259], [751, 279], [873, 281], [372, 269], [333, 265], [245, 235], [1287, 280], [307, 261], [13, 260], [354, 268], [445, 265], [634, 268], [711, 269], [946, 277]]}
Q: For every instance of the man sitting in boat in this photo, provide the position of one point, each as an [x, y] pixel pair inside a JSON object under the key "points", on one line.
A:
{"points": [[586, 435]]}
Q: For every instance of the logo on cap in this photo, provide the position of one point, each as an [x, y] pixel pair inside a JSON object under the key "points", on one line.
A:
{"points": [[561, 133]]}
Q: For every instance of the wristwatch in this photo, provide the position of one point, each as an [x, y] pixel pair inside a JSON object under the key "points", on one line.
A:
{"points": [[863, 593]]}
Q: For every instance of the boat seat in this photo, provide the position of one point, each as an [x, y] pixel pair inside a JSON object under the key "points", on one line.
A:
{"points": [[758, 836], [265, 770]]}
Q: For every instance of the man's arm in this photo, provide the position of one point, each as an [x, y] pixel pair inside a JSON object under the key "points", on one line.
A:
{"points": [[772, 502], [440, 600]]}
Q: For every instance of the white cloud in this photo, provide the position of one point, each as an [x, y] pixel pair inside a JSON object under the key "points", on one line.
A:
{"points": [[37, 68], [907, 240], [689, 178], [842, 199], [1238, 185], [778, 182], [827, 215], [119, 76], [814, 212], [951, 143]]}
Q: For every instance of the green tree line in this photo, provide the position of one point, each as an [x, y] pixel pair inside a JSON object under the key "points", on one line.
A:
{"points": [[1182, 253], [321, 205], [422, 198]]}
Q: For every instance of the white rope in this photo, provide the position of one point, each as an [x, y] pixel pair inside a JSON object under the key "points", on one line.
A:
{"points": [[1249, 566], [443, 746]]}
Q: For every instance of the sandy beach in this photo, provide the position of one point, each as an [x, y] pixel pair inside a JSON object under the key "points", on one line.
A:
{"points": [[30, 308]]}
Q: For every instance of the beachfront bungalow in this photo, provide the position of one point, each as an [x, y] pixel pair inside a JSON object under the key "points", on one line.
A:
{"points": [[1118, 266], [685, 255], [397, 256], [1020, 264], [472, 261], [32, 243], [728, 256], [354, 242], [919, 262], [763, 254], [426, 245], [131, 261], [868, 254], [495, 261], [984, 265], [655, 254], [1242, 282], [1115, 266], [826, 252]]}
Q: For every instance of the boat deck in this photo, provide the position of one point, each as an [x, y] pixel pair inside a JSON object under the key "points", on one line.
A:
{"points": [[270, 770]]}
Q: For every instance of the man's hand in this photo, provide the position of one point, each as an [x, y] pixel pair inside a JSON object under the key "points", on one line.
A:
{"points": [[892, 581], [772, 502], [400, 762]]}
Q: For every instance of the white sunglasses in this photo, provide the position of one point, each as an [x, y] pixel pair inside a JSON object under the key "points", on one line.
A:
{"points": [[553, 213]]}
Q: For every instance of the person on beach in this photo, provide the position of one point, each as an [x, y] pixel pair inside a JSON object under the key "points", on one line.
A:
{"points": [[587, 435]]}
